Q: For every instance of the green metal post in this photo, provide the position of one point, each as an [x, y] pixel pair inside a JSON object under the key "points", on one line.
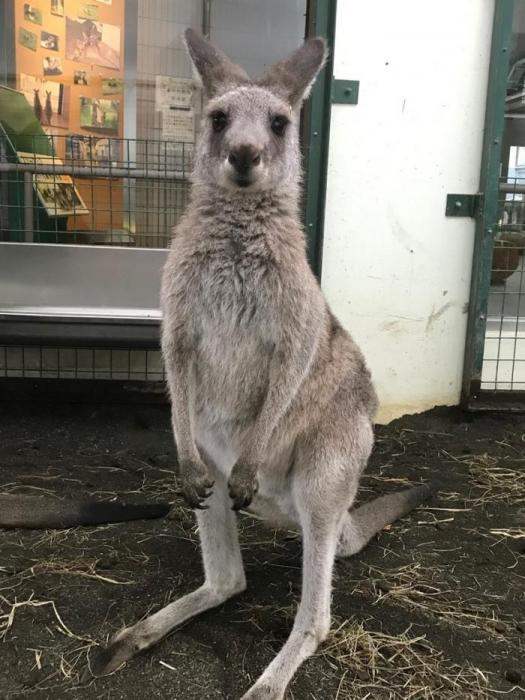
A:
{"points": [[320, 22], [487, 218]]}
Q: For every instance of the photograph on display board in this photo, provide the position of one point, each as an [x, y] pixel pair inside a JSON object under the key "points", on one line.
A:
{"points": [[93, 42], [178, 125], [92, 148], [52, 65], [38, 158], [99, 115], [57, 193], [50, 100], [88, 12], [57, 7], [59, 198], [173, 92], [32, 14], [49, 41], [80, 77], [112, 86], [27, 39]]}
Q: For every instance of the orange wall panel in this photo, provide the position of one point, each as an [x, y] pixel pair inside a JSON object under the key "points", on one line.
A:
{"points": [[107, 212]]}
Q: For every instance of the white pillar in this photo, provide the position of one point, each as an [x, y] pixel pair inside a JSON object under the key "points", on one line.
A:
{"points": [[396, 271]]}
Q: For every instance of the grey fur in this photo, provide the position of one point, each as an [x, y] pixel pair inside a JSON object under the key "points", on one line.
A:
{"points": [[293, 77], [272, 402], [214, 68]]}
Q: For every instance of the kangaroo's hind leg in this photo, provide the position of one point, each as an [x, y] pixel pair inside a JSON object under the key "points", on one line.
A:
{"points": [[224, 578], [326, 473]]}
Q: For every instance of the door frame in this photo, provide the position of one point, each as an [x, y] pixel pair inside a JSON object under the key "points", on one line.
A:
{"points": [[320, 21], [473, 396]]}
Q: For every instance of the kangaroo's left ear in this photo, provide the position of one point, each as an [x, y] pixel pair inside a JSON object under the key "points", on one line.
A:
{"points": [[214, 67], [293, 78]]}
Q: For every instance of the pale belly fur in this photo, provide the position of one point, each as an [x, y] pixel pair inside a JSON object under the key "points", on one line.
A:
{"points": [[273, 503]]}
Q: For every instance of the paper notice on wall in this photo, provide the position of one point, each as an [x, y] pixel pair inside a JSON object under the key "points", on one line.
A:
{"points": [[178, 125], [173, 92]]}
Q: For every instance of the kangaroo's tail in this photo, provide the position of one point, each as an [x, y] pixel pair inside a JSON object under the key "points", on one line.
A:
{"points": [[40, 513], [361, 524]]}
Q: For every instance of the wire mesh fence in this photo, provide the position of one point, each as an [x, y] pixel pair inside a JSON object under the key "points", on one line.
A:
{"points": [[41, 362], [504, 353], [92, 190]]}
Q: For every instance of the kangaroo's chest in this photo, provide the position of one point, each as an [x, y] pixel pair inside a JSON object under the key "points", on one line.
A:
{"points": [[234, 289], [235, 323], [236, 277]]}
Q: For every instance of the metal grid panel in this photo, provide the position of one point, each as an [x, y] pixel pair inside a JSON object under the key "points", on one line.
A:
{"points": [[80, 363], [132, 191], [504, 353], [161, 52]]}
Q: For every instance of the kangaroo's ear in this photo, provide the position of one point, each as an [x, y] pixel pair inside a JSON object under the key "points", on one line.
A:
{"points": [[294, 77], [213, 66]]}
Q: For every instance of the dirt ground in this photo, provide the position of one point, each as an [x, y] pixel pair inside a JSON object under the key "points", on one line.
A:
{"points": [[433, 608]]}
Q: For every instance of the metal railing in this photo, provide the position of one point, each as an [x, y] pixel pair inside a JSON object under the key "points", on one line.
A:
{"points": [[91, 190]]}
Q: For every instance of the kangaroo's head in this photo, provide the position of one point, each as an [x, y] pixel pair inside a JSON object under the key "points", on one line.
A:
{"points": [[249, 138]]}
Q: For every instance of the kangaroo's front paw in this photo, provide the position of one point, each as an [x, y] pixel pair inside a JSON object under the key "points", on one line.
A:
{"points": [[195, 483], [242, 486]]}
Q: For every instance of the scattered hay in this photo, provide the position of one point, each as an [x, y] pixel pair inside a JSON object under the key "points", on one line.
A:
{"points": [[84, 568], [67, 656], [420, 586], [15, 487], [7, 618], [378, 665], [398, 481], [371, 484], [165, 488], [494, 480], [513, 533], [372, 664]]}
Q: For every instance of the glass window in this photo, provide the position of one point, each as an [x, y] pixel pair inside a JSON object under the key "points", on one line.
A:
{"points": [[98, 111]]}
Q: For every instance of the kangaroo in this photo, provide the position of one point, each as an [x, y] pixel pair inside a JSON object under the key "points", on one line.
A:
{"points": [[272, 402], [37, 105], [48, 107]]}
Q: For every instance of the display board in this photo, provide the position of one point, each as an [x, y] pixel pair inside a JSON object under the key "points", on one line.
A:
{"points": [[70, 68]]}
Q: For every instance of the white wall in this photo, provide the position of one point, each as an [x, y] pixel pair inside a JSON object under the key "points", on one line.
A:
{"points": [[395, 269]]}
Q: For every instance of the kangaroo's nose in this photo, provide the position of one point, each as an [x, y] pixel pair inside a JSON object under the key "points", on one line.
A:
{"points": [[244, 158]]}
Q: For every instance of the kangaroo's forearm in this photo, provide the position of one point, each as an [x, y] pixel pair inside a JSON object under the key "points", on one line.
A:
{"points": [[289, 367], [179, 393], [193, 473]]}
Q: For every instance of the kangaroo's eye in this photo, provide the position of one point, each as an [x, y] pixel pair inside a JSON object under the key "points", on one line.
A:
{"points": [[278, 125], [218, 121]]}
